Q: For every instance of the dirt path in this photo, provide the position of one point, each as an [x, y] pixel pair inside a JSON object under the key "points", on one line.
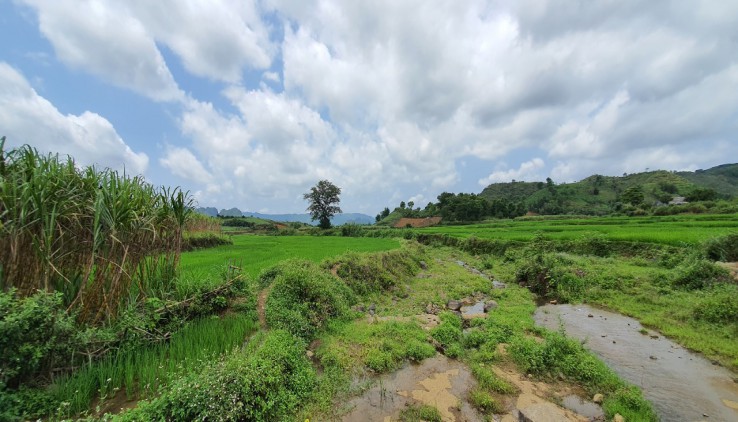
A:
{"points": [[261, 306]]}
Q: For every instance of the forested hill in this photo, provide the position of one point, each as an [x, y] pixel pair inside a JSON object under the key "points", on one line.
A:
{"points": [[599, 194]]}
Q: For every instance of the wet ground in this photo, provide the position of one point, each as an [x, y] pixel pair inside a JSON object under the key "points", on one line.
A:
{"points": [[439, 382], [681, 385]]}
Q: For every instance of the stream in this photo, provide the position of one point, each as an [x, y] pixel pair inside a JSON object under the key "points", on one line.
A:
{"points": [[682, 386]]}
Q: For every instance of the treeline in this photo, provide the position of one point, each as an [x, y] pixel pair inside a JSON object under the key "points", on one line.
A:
{"points": [[459, 207]]}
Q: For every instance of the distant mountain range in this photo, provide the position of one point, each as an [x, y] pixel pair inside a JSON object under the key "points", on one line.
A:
{"points": [[337, 220]]}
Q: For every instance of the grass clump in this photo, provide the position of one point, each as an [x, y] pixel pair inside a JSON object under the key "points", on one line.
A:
{"points": [[380, 347], [484, 402], [559, 354], [304, 299], [448, 333], [418, 413], [723, 248], [377, 272], [267, 380], [698, 273]]}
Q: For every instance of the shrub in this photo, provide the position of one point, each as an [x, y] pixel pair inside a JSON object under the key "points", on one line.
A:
{"points": [[36, 335], [698, 273], [372, 273], [204, 240], [264, 382], [304, 298], [720, 306], [352, 230], [723, 248]]}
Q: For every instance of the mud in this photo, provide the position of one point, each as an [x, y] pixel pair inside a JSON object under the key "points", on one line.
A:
{"points": [[439, 382], [681, 385]]}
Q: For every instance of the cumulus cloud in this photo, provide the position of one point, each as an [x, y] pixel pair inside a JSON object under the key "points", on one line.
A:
{"points": [[528, 170], [26, 117], [384, 97], [181, 162], [117, 41]]}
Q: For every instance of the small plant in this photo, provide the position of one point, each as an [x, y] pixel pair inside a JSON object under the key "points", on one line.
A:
{"points": [[484, 402], [418, 413]]}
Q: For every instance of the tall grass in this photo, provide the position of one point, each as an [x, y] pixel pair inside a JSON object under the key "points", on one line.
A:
{"points": [[90, 234], [142, 372]]}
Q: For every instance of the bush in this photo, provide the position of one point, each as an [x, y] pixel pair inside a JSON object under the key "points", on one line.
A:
{"points": [[352, 230], [723, 248], [698, 273], [720, 306], [265, 382], [204, 240], [373, 273], [36, 335], [304, 298]]}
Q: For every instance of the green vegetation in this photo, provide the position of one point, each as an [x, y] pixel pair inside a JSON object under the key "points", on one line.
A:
{"points": [[672, 230], [254, 253], [266, 380], [418, 413], [323, 199]]}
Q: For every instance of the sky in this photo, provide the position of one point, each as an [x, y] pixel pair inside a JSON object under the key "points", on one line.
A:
{"points": [[249, 103]]}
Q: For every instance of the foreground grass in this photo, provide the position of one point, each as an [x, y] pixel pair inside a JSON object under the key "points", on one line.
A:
{"points": [[143, 372], [671, 230]]}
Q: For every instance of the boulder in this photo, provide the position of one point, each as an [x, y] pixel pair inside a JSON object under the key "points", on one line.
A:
{"points": [[454, 305], [496, 284], [598, 398], [423, 265], [490, 305], [618, 418]]}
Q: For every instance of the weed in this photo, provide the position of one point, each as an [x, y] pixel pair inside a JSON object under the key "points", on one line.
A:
{"points": [[418, 413]]}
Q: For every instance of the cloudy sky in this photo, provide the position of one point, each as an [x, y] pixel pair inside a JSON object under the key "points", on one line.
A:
{"points": [[248, 103]]}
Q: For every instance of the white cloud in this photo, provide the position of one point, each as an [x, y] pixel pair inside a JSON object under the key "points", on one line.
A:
{"points": [[117, 41], [181, 162], [28, 118], [103, 38], [384, 97], [528, 171]]}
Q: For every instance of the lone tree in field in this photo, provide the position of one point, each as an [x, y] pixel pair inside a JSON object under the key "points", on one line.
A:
{"points": [[324, 201]]}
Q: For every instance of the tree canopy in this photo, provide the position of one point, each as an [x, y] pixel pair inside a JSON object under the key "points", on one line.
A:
{"points": [[324, 201]]}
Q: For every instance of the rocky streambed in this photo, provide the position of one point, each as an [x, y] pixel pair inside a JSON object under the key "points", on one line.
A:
{"points": [[682, 386]]}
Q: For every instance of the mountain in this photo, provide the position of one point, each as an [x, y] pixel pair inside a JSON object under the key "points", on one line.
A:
{"points": [[209, 211], [337, 220], [233, 212], [599, 194]]}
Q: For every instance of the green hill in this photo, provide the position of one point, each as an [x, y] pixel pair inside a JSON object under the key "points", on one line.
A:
{"points": [[723, 179], [599, 195]]}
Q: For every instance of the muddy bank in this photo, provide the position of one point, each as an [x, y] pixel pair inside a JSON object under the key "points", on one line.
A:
{"points": [[681, 385], [439, 382]]}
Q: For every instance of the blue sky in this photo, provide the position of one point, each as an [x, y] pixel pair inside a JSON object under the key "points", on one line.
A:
{"points": [[249, 103]]}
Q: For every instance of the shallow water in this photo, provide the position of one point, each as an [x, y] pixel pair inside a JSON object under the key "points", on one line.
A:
{"points": [[681, 385], [439, 382]]}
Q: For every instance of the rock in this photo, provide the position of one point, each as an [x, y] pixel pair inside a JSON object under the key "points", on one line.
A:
{"points": [[310, 353], [654, 337], [542, 412], [360, 308], [423, 265], [372, 307], [461, 263], [490, 305], [652, 357], [429, 309], [499, 285], [469, 317], [590, 316], [475, 271], [454, 305], [618, 418], [598, 398], [553, 302]]}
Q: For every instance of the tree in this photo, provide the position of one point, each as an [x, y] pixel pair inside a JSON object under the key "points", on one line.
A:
{"points": [[322, 198], [633, 195]]}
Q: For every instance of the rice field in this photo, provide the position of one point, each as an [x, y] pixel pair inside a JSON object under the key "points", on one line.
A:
{"points": [[143, 371], [253, 253], [671, 230]]}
